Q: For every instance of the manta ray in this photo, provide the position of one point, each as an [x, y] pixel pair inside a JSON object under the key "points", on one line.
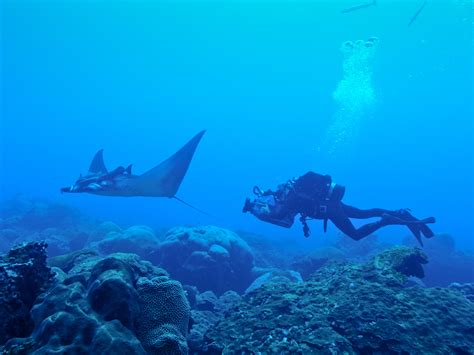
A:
{"points": [[161, 181]]}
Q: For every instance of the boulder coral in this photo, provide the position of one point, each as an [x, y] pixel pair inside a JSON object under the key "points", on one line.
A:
{"points": [[140, 240], [209, 258]]}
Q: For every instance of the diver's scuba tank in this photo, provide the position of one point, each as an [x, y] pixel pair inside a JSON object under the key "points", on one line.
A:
{"points": [[336, 192]]}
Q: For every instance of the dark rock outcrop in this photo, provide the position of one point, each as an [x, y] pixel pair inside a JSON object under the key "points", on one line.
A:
{"points": [[23, 276], [350, 308]]}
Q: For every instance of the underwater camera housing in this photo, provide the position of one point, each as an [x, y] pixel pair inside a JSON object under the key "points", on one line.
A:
{"points": [[267, 209]]}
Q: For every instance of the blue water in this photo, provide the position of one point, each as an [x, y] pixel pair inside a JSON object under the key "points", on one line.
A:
{"points": [[140, 78]]}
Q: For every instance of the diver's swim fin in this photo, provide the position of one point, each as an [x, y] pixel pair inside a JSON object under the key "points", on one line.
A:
{"points": [[427, 232], [415, 230], [406, 215]]}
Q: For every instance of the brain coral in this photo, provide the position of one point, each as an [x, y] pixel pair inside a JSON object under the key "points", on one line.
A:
{"points": [[163, 321]]}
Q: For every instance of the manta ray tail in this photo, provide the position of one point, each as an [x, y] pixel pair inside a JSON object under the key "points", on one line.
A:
{"points": [[191, 206]]}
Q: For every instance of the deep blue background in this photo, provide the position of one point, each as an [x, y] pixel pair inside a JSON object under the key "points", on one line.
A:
{"points": [[140, 78]]}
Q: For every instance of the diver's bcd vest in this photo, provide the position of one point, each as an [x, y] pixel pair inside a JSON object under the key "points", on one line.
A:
{"points": [[314, 194], [311, 190]]}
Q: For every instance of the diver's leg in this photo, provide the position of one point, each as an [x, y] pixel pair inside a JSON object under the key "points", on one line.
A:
{"points": [[344, 224], [403, 214], [353, 212]]}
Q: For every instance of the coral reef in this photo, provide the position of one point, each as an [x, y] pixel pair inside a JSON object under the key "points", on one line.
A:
{"points": [[345, 297], [350, 308], [360, 250], [341, 248], [269, 252], [190, 255], [206, 313], [308, 263], [113, 305], [23, 276], [63, 228], [36, 214], [466, 289], [274, 276]]}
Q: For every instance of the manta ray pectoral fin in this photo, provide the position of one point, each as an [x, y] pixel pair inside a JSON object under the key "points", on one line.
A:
{"points": [[97, 165], [129, 170], [164, 180]]}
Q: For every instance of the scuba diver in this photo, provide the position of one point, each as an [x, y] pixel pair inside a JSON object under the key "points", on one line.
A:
{"points": [[315, 196]]}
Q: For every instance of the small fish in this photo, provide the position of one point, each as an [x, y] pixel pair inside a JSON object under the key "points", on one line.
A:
{"points": [[359, 7], [415, 16]]}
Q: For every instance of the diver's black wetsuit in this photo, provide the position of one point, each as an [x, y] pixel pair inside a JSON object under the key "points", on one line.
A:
{"points": [[340, 213], [316, 196]]}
